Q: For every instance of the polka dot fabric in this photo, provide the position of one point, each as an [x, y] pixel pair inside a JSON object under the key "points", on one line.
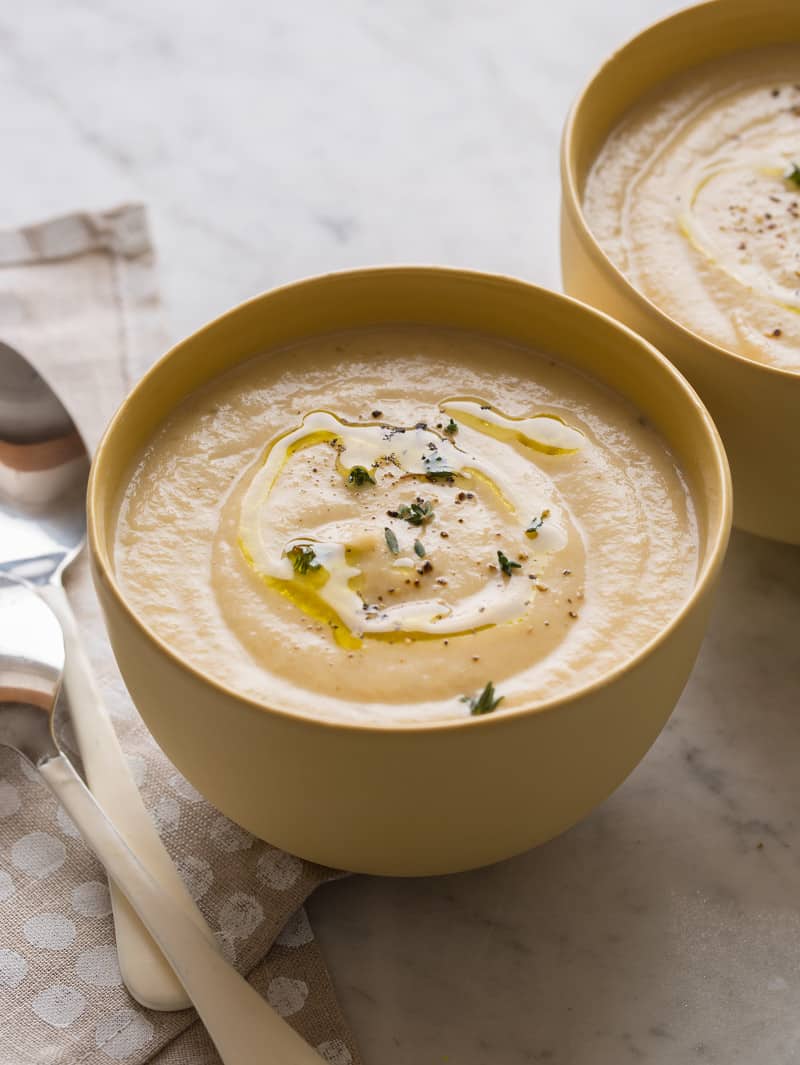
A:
{"points": [[62, 1001]]}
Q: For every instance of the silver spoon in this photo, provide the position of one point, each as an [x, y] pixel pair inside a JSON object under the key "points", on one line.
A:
{"points": [[244, 1028], [44, 467]]}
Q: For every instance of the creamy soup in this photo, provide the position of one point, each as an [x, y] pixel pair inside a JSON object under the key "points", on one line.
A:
{"points": [[405, 523], [696, 198]]}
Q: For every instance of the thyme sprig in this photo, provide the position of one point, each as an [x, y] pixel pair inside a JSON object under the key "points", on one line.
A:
{"points": [[483, 703], [303, 559], [360, 475], [419, 513], [506, 564], [536, 523], [433, 471]]}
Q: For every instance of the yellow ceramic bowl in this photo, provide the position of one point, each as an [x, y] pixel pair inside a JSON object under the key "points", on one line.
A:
{"points": [[755, 406], [421, 798]]}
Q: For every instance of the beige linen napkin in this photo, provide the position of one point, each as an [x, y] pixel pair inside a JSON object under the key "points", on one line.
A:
{"points": [[78, 297]]}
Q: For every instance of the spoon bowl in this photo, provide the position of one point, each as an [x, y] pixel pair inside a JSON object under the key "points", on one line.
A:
{"points": [[44, 467]]}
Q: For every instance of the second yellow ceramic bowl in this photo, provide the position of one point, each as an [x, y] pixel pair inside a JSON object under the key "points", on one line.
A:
{"points": [[418, 798], [755, 406]]}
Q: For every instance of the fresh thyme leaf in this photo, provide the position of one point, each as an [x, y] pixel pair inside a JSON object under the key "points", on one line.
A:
{"points": [[419, 548], [451, 427], [793, 174], [417, 513], [536, 524], [303, 559], [506, 565], [434, 471], [391, 541], [360, 475], [483, 703]]}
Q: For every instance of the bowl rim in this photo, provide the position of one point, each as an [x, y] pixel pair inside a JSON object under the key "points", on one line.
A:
{"points": [[573, 201], [716, 538]]}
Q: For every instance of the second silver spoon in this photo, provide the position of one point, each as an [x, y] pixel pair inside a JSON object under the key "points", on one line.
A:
{"points": [[44, 466]]}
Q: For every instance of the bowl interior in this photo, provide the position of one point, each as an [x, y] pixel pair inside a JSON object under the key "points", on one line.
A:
{"points": [[513, 310], [678, 42]]}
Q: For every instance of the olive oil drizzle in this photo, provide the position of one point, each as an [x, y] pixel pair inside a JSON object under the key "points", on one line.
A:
{"points": [[329, 591], [546, 433], [744, 268]]}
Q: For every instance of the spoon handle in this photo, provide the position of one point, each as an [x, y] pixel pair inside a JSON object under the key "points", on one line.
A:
{"points": [[243, 1027], [146, 973]]}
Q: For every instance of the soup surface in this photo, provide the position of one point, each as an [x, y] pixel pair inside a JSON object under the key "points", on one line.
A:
{"points": [[405, 523], [695, 196]]}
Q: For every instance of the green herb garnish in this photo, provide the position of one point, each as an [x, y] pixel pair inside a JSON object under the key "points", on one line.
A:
{"points": [[419, 548], [793, 174], [433, 472], [451, 427], [391, 541], [536, 524], [303, 559], [360, 475], [483, 703], [417, 513], [506, 565]]}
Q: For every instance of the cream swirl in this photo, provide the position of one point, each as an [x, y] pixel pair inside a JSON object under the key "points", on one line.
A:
{"points": [[695, 196], [329, 562]]}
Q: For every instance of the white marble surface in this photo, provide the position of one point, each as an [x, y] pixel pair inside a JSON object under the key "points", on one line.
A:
{"points": [[273, 141]]}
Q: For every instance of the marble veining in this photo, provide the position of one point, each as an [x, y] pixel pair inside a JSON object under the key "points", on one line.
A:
{"points": [[272, 141]]}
